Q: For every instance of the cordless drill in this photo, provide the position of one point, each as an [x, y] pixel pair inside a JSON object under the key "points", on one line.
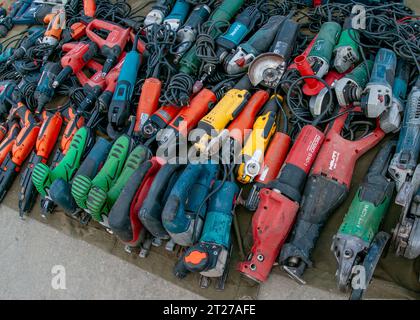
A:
{"points": [[44, 91], [357, 241], [327, 187]]}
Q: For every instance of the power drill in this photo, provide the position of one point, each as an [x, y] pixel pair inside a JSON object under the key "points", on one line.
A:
{"points": [[320, 55], [406, 155], [327, 187], [34, 34], [377, 95], [253, 151], [358, 242], [185, 209], [210, 256], [159, 11], [187, 34], [244, 23], [279, 204], [56, 24], [390, 120], [47, 137], [75, 59], [268, 68], [178, 14], [260, 41], [349, 88], [347, 49], [119, 109], [44, 91]]}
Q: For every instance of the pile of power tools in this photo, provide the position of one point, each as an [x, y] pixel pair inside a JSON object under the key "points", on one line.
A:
{"points": [[159, 127]]}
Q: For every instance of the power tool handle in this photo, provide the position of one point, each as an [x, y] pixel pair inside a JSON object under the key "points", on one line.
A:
{"points": [[262, 39], [48, 135]]}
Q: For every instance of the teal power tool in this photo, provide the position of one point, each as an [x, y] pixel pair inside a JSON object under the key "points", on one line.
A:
{"points": [[268, 68], [210, 256], [260, 41], [185, 208], [119, 109], [44, 91], [178, 14], [7, 88], [406, 156], [377, 96], [349, 88], [321, 53], [34, 34], [358, 242], [187, 34], [60, 190], [159, 11], [244, 23], [346, 50], [390, 120]]}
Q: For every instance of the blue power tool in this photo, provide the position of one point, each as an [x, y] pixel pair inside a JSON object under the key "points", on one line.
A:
{"points": [[244, 23], [377, 96], [6, 93], [210, 256], [405, 159], [185, 209], [119, 111], [390, 120], [178, 14], [34, 33]]}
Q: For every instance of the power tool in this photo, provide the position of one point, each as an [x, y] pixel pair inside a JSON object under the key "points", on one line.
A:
{"points": [[253, 151], [123, 217], [83, 185], [44, 91], [89, 8], [358, 242], [390, 120], [260, 41], [159, 120], [178, 14], [327, 187], [77, 56], [190, 63], [268, 68], [6, 54], [377, 95], [159, 11], [227, 109], [9, 138], [210, 256], [32, 12], [34, 34], [279, 204], [119, 109], [74, 32], [187, 34], [113, 45], [188, 117], [99, 202], [150, 213], [47, 137], [347, 49], [148, 102], [185, 209], [321, 53], [349, 88], [7, 89], [60, 189], [406, 155], [238, 30], [56, 24], [21, 148]]}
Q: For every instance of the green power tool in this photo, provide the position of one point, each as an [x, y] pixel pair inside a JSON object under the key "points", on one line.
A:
{"points": [[99, 202], [190, 63], [347, 50], [107, 176], [358, 245]]}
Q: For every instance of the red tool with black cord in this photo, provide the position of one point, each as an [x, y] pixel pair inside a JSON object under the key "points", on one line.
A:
{"points": [[327, 187], [7, 142]]}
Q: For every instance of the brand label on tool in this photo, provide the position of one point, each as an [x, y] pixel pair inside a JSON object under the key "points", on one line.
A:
{"points": [[311, 150], [334, 159]]}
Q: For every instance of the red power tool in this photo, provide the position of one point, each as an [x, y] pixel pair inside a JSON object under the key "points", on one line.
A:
{"points": [[327, 188], [21, 148], [93, 86], [279, 205], [45, 143], [148, 102], [73, 32], [77, 56], [159, 120], [6, 145], [113, 45], [89, 8]]}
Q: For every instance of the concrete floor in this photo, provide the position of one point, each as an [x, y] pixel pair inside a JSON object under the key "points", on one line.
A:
{"points": [[29, 250]]}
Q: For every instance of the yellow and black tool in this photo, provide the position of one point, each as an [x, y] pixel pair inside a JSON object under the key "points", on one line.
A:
{"points": [[253, 152]]}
